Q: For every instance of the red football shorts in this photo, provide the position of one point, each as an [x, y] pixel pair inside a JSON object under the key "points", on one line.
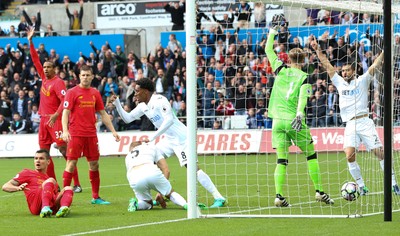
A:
{"points": [[83, 146], [49, 135], [34, 200]]}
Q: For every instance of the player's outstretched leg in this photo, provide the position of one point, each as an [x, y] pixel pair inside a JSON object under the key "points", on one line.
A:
{"points": [[205, 181], [323, 197]]}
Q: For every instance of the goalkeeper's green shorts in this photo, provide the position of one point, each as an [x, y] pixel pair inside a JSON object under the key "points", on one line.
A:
{"points": [[283, 134]]}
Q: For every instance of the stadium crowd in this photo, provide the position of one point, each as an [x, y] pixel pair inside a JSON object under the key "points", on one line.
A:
{"points": [[234, 76]]}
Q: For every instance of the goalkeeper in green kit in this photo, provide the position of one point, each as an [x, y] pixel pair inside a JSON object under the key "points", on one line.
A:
{"points": [[288, 99]]}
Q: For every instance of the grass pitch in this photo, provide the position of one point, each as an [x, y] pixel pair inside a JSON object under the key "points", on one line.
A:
{"points": [[247, 181]]}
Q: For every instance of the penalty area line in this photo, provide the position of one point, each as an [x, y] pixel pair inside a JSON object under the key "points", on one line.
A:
{"points": [[127, 227]]}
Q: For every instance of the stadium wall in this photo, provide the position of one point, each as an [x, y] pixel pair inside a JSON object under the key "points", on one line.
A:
{"points": [[208, 142]]}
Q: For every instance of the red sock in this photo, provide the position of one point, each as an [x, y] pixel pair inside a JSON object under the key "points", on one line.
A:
{"points": [[47, 193], [66, 198], [50, 169], [76, 177], [67, 177], [95, 181]]}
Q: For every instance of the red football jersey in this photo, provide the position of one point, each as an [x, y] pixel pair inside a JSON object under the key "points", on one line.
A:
{"points": [[83, 104], [52, 92], [34, 180]]}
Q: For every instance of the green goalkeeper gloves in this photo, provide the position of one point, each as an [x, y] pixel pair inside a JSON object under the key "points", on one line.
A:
{"points": [[297, 122]]}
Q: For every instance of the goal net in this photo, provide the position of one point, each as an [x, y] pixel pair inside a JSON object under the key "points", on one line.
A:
{"points": [[235, 81]]}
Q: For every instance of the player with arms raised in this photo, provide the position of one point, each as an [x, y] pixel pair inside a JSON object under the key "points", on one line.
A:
{"points": [[289, 96], [41, 192], [157, 108], [353, 104], [79, 130], [52, 93]]}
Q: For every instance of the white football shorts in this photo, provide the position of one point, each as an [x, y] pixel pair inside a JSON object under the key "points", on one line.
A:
{"points": [[144, 178], [167, 147], [361, 130]]}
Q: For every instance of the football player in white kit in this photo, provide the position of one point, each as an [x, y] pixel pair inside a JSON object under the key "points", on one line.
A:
{"points": [[353, 104], [159, 111], [143, 175]]}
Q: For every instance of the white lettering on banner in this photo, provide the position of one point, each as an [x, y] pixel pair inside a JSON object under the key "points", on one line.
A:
{"points": [[332, 138], [117, 9], [7, 147]]}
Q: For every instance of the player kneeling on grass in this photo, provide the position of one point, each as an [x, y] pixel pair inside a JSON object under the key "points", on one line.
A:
{"points": [[143, 175], [41, 192]]}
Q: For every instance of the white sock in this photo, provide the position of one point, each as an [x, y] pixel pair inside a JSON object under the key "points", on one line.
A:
{"points": [[206, 182], [142, 205], [394, 182], [355, 171], [177, 199]]}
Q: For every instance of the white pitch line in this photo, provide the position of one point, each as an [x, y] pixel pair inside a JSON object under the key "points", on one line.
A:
{"points": [[126, 227]]}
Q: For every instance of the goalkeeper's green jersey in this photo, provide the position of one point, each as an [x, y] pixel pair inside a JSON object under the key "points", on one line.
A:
{"points": [[286, 89]]}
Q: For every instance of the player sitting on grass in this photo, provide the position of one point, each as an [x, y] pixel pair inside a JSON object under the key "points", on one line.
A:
{"points": [[41, 192], [143, 175], [289, 96]]}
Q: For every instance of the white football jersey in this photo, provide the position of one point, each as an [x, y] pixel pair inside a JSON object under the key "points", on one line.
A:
{"points": [[160, 113], [353, 96], [142, 154]]}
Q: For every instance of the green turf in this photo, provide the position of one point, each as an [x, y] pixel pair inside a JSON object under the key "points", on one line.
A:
{"points": [[247, 181]]}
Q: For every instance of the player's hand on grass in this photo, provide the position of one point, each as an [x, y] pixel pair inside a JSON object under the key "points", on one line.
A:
{"points": [[297, 121], [161, 201]]}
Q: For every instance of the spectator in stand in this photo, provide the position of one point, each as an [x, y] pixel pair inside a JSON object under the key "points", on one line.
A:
{"points": [[120, 59], [35, 118], [75, 19], [259, 15], [346, 18], [78, 65], [217, 125], [20, 105], [174, 44], [199, 16], [18, 125], [177, 10], [54, 57], [284, 36], [5, 105], [209, 102], [226, 22], [295, 44], [243, 13], [251, 119], [332, 107], [318, 103], [43, 54], [22, 27], [267, 120], [2, 33], [34, 21], [181, 114], [313, 14], [3, 58], [67, 65], [50, 31], [12, 33], [206, 45], [4, 125], [376, 41], [92, 29], [110, 88], [16, 58], [225, 108]]}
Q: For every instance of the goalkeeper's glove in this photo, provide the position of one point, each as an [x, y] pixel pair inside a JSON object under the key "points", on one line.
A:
{"points": [[297, 121]]}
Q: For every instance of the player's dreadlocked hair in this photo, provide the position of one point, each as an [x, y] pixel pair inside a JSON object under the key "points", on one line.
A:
{"points": [[146, 83]]}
